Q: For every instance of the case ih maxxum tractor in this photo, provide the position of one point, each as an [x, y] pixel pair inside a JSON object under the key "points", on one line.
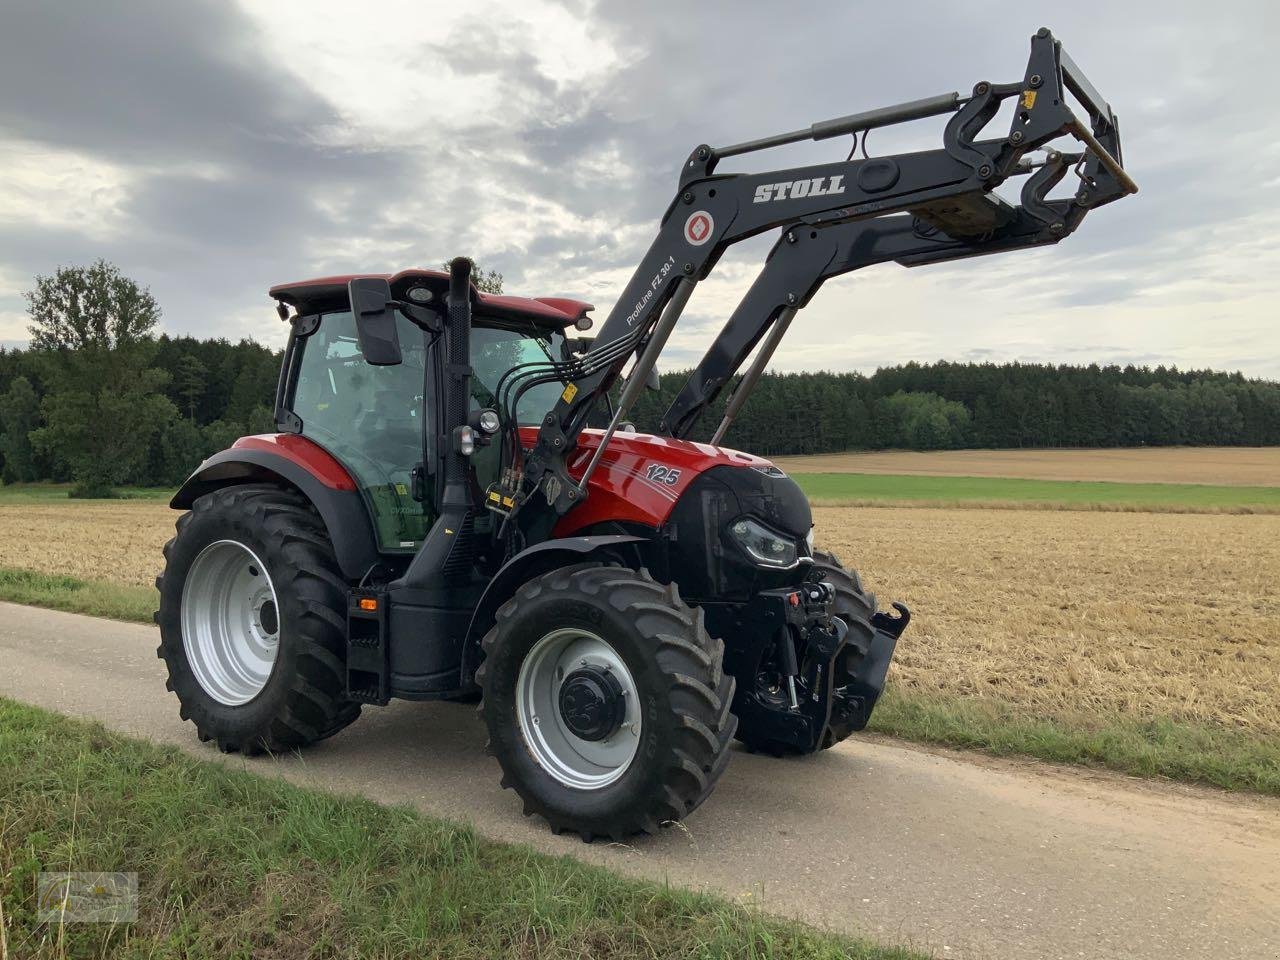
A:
{"points": [[434, 519]]}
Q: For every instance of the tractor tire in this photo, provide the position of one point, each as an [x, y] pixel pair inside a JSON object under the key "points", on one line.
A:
{"points": [[252, 621], [855, 606], [606, 701], [851, 598]]}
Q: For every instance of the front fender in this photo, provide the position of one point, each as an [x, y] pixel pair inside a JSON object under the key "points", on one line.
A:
{"points": [[307, 467], [536, 560]]}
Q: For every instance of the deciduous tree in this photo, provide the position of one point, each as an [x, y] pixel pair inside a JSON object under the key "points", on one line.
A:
{"points": [[92, 329]]}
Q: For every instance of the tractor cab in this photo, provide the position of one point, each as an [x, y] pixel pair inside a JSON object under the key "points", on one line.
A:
{"points": [[382, 421]]}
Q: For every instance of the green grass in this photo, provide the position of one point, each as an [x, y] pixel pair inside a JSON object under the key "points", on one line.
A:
{"points": [[20, 493], [1156, 747], [97, 598], [236, 866], [1079, 494]]}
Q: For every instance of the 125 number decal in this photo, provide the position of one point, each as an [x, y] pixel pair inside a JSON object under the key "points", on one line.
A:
{"points": [[661, 474]]}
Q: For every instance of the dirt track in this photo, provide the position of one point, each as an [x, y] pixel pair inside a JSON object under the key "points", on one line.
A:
{"points": [[959, 856]]}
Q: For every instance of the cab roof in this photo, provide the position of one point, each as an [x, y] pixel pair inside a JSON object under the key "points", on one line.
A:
{"points": [[330, 293]]}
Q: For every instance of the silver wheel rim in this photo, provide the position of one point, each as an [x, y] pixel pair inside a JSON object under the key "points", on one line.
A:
{"points": [[574, 762], [230, 622]]}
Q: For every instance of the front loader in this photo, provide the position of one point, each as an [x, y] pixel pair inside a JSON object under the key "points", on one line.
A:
{"points": [[435, 519]]}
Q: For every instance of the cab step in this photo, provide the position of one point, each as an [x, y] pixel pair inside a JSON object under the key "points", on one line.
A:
{"points": [[368, 660]]}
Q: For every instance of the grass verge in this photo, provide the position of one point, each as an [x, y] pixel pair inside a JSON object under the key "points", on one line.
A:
{"points": [[1158, 747], [236, 866], [839, 489], [97, 598]]}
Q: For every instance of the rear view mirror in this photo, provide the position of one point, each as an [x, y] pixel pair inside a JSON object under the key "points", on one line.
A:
{"points": [[375, 321]]}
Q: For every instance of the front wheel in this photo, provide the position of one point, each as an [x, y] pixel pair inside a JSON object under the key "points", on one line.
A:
{"points": [[606, 701]]}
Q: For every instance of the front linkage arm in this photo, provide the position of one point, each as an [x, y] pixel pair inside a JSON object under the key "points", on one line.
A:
{"points": [[947, 187], [805, 257]]}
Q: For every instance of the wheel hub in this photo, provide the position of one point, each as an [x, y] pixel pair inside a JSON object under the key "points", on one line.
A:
{"points": [[592, 704], [578, 707], [230, 622]]}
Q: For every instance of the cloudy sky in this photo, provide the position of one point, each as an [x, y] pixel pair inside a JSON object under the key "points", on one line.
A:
{"points": [[213, 149]]}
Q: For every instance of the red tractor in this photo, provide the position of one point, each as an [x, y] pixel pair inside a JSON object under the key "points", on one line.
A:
{"points": [[436, 520]]}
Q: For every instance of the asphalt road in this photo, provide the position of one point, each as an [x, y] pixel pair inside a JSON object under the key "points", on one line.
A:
{"points": [[954, 855]]}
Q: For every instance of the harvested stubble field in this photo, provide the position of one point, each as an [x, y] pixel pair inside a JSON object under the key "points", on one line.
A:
{"points": [[1076, 615], [114, 540]]}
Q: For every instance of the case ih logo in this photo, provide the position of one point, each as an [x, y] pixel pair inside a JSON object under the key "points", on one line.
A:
{"points": [[798, 189], [699, 227]]}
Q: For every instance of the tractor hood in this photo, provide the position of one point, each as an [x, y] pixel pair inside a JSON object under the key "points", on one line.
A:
{"points": [[641, 476]]}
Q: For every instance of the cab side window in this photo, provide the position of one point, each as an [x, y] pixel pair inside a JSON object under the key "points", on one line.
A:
{"points": [[370, 418]]}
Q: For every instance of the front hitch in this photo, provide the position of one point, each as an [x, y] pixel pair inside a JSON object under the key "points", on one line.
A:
{"points": [[805, 679], [893, 625]]}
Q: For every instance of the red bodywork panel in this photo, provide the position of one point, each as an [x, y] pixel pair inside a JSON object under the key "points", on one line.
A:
{"points": [[307, 454], [557, 311], [621, 489]]}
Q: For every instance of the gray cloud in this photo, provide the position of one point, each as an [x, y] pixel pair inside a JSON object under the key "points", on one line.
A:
{"points": [[241, 171], [222, 148]]}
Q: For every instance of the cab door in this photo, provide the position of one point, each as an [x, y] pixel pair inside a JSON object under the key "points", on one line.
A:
{"points": [[371, 418]]}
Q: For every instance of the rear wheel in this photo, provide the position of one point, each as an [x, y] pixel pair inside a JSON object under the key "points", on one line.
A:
{"points": [[253, 621], [606, 701]]}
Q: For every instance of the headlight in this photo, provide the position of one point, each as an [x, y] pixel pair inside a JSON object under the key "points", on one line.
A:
{"points": [[763, 544], [489, 421], [808, 539]]}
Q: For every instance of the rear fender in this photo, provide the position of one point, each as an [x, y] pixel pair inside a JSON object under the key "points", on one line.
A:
{"points": [[524, 566], [307, 467]]}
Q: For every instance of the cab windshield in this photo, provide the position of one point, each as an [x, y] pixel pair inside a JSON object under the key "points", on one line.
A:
{"points": [[373, 419], [495, 350]]}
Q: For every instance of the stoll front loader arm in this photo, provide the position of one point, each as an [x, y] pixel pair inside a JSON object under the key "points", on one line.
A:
{"points": [[948, 188], [805, 257]]}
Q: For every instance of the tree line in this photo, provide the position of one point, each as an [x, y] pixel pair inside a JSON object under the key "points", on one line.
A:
{"points": [[102, 400], [946, 406]]}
